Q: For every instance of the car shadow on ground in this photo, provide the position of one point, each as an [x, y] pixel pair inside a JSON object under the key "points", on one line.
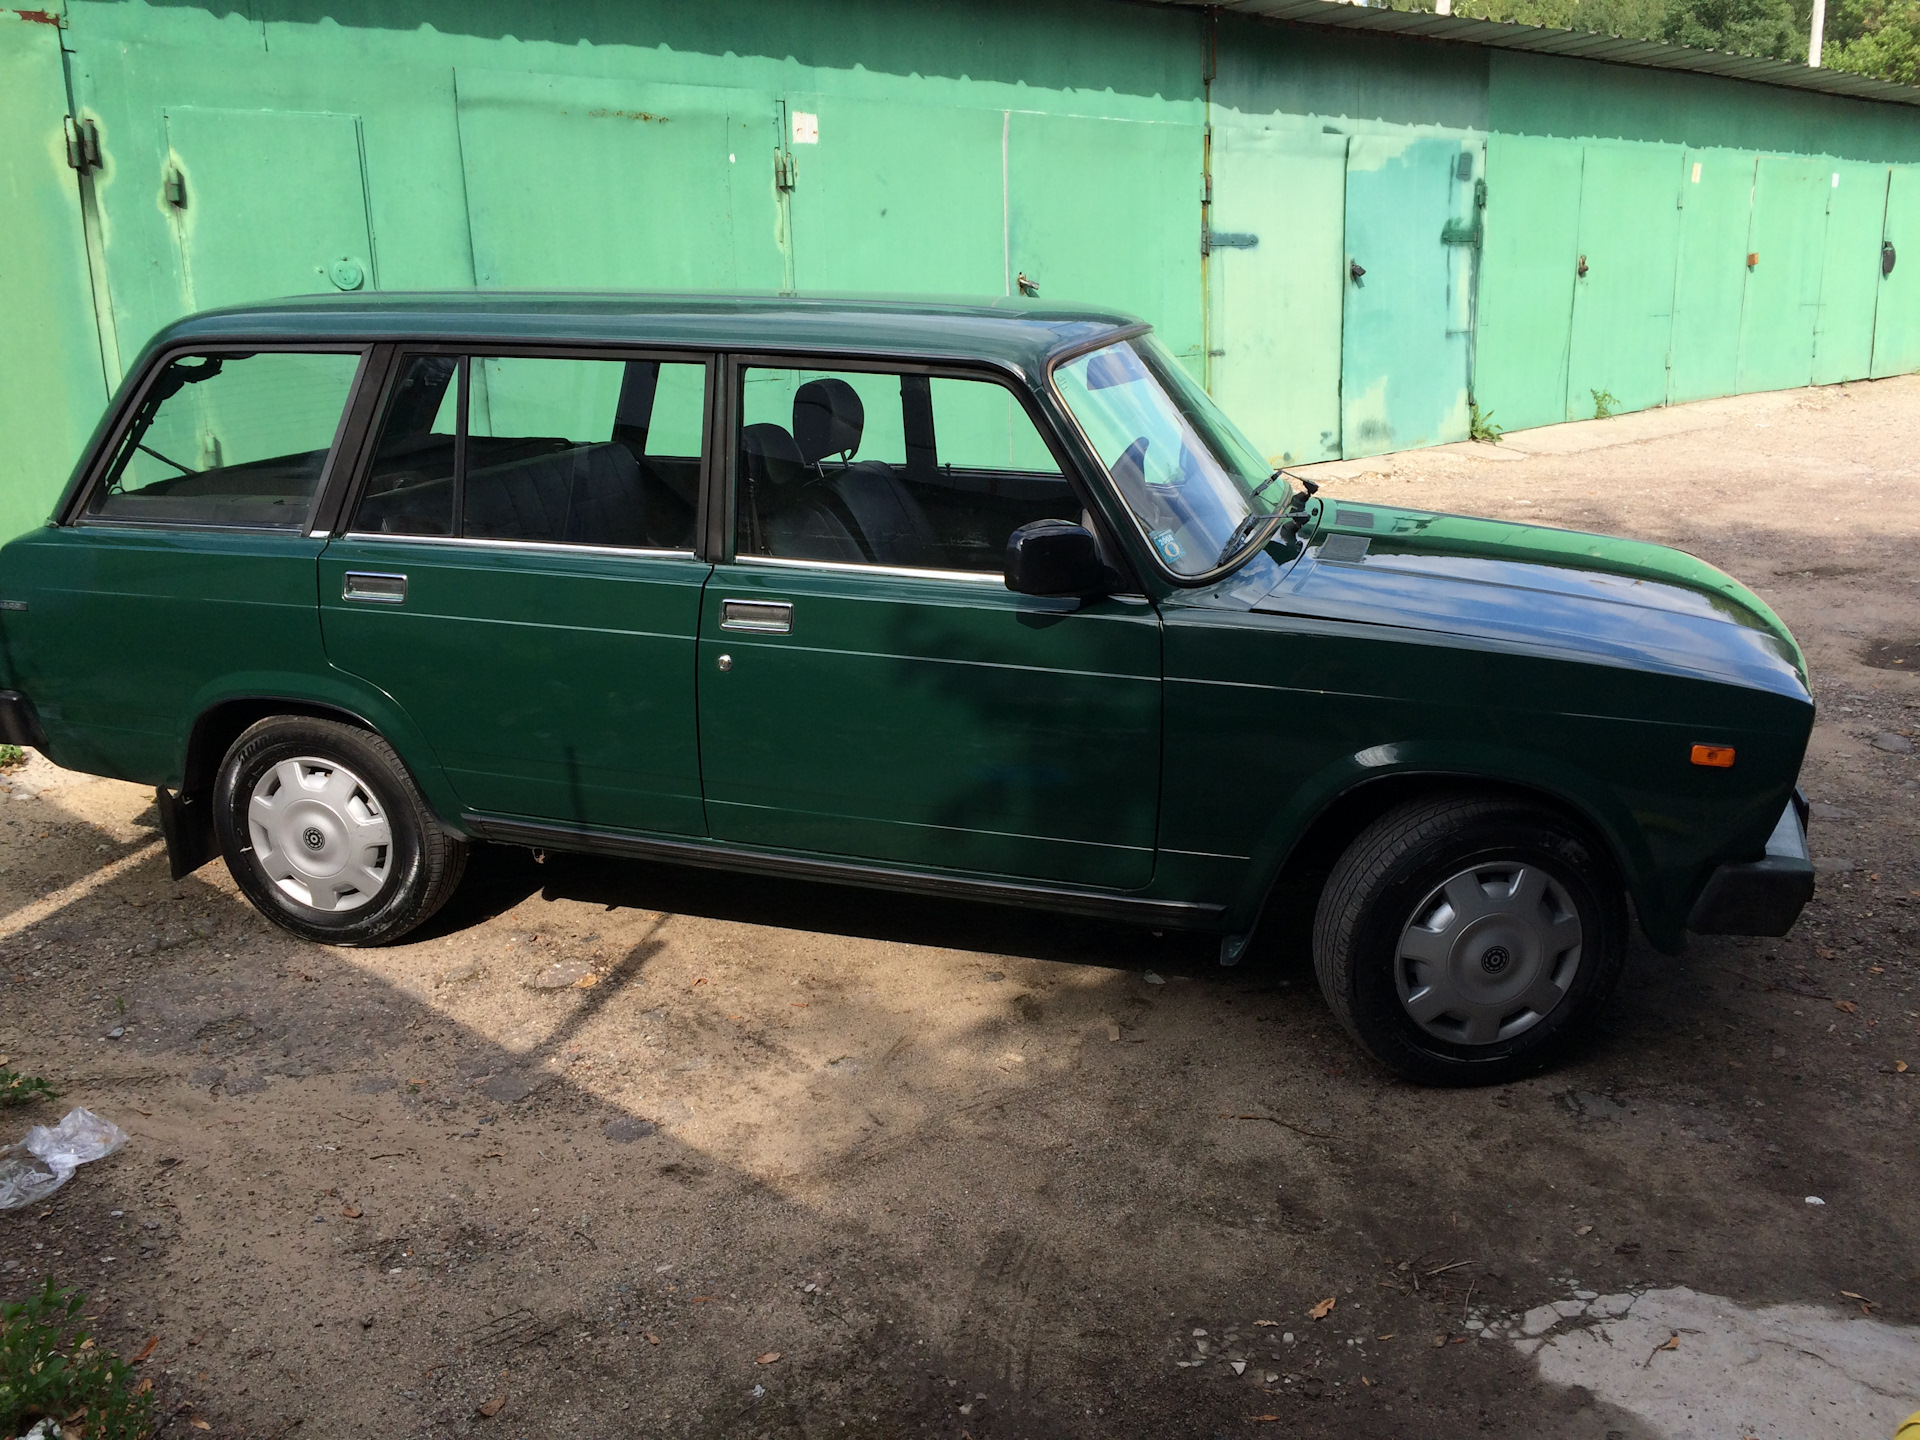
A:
{"points": [[921, 1188]]}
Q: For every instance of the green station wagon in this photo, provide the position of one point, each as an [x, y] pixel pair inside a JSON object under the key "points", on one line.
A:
{"points": [[985, 600]]}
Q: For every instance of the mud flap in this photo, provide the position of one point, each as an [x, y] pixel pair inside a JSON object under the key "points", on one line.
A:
{"points": [[187, 823]]}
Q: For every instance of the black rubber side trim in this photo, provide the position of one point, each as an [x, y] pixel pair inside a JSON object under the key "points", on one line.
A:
{"points": [[1764, 896], [19, 725], [1180, 914], [187, 823]]}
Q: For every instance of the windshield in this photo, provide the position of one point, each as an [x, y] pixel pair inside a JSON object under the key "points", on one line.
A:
{"points": [[1192, 480]]}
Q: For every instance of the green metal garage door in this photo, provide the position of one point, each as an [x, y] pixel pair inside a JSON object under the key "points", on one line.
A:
{"points": [[1408, 318], [1276, 279], [268, 203], [1849, 272], [1108, 211], [590, 183], [1710, 282], [897, 197], [1526, 285], [1896, 326], [1623, 278], [1787, 243]]}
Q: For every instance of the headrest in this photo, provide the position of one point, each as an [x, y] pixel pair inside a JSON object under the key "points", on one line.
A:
{"points": [[827, 419], [771, 455]]}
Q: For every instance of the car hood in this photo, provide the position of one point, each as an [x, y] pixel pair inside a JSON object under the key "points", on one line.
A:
{"points": [[1590, 597]]}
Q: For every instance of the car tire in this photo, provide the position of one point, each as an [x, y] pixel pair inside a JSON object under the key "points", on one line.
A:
{"points": [[328, 836], [1469, 940]]}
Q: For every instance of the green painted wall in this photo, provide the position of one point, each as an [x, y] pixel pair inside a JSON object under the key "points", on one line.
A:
{"points": [[1572, 99], [49, 350], [326, 144]]}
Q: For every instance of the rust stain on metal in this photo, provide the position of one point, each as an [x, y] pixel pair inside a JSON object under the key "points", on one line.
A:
{"points": [[642, 115], [39, 17]]}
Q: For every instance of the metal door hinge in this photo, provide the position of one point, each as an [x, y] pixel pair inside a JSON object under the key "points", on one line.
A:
{"points": [[783, 170], [83, 144], [1461, 232], [1227, 240], [174, 187]]}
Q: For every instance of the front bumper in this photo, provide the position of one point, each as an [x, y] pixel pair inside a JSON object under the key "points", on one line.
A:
{"points": [[1764, 896], [18, 724]]}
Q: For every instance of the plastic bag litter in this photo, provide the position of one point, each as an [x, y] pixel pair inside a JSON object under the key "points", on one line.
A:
{"points": [[47, 1158]]}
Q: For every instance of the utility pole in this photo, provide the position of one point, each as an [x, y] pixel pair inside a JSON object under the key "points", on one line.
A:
{"points": [[1819, 33]]}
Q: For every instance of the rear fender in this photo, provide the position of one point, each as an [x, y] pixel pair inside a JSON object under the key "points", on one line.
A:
{"points": [[240, 699]]}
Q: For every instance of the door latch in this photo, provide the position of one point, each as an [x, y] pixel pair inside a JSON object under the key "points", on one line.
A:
{"points": [[1355, 270]]}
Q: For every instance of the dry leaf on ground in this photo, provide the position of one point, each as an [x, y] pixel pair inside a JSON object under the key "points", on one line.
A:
{"points": [[766, 1359], [490, 1408], [1324, 1308]]}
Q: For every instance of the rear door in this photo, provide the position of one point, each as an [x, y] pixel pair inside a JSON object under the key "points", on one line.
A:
{"points": [[518, 574], [869, 687]]}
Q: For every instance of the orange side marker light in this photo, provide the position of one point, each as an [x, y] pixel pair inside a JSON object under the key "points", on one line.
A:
{"points": [[1717, 757]]}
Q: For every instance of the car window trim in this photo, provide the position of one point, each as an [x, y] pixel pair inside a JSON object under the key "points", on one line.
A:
{"points": [[867, 363], [1239, 557], [491, 542], [854, 567], [711, 361], [73, 511]]}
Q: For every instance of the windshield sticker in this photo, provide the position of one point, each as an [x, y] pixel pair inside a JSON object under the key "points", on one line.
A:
{"points": [[1168, 547]]}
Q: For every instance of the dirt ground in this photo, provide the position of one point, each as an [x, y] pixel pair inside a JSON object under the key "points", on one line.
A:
{"points": [[625, 1150]]}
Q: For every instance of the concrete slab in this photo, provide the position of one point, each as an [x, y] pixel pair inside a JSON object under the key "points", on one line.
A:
{"points": [[1703, 1367]]}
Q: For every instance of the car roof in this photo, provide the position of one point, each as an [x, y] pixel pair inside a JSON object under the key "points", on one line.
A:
{"points": [[1017, 333]]}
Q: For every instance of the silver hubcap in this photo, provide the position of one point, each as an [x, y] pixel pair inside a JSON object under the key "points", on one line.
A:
{"points": [[319, 834], [1489, 954]]}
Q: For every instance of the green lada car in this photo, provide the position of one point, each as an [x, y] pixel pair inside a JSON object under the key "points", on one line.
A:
{"points": [[983, 600]]}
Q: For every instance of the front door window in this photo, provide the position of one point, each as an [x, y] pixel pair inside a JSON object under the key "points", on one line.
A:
{"points": [[863, 467]]}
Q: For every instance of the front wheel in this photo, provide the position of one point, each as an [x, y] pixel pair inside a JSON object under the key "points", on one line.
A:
{"points": [[1468, 941], [328, 836]]}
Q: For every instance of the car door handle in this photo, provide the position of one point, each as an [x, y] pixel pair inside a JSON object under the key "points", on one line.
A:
{"points": [[764, 617], [382, 589]]}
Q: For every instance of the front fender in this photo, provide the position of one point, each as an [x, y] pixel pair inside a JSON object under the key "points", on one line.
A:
{"points": [[1469, 764]]}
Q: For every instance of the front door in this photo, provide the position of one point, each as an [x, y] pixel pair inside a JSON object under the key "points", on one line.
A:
{"points": [[519, 577], [869, 687]]}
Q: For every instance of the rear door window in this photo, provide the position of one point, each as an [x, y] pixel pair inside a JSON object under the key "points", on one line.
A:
{"points": [[540, 449], [228, 439]]}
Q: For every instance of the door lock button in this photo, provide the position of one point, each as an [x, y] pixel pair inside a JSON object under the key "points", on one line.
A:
{"points": [[726, 662]]}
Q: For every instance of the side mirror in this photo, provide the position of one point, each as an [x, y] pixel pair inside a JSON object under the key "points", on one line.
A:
{"points": [[1054, 557]]}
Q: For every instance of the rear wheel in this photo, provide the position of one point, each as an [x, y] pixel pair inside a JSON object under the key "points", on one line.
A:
{"points": [[327, 834], [1468, 941]]}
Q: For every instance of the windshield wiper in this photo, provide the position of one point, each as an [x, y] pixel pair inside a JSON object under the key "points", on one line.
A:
{"points": [[1244, 530], [1263, 487], [1242, 533]]}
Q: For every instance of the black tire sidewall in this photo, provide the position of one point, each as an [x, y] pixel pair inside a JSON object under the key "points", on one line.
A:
{"points": [[1389, 897], [266, 745]]}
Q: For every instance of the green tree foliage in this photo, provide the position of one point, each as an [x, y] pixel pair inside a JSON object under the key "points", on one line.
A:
{"points": [[1874, 37], [1869, 37]]}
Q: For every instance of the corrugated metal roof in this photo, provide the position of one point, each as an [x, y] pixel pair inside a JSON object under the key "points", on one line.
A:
{"points": [[1575, 44]]}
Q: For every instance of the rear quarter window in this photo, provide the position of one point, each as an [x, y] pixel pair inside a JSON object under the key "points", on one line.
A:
{"points": [[228, 439]]}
